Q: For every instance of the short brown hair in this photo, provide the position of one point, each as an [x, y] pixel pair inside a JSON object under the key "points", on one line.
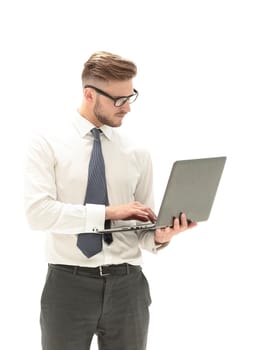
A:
{"points": [[106, 66]]}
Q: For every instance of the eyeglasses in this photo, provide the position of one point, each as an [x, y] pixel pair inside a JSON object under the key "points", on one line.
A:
{"points": [[118, 101]]}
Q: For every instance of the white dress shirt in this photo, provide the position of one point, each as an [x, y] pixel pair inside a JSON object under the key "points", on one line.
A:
{"points": [[55, 184]]}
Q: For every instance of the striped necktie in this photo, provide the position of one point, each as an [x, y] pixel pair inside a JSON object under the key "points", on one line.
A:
{"points": [[96, 193]]}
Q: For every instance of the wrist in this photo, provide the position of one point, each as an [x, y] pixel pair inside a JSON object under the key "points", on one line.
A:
{"points": [[110, 212], [107, 213], [160, 245]]}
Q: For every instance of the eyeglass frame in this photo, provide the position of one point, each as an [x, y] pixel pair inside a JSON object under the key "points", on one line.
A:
{"points": [[114, 99]]}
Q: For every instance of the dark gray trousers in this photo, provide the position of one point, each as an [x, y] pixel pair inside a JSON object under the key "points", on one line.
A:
{"points": [[76, 305]]}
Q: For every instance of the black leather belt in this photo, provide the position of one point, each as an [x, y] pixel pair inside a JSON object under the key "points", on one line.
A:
{"points": [[103, 270]]}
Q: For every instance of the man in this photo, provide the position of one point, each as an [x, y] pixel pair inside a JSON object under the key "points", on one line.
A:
{"points": [[95, 284]]}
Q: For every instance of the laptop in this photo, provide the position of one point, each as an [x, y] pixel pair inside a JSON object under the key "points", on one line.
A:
{"points": [[191, 189]]}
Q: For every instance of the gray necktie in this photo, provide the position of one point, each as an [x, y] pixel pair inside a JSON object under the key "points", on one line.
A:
{"points": [[96, 193]]}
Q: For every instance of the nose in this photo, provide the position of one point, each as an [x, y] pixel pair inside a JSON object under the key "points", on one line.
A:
{"points": [[126, 107]]}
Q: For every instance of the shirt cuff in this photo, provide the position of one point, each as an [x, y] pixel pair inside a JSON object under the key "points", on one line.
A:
{"points": [[148, 242], [95, 217], [159, 246]]}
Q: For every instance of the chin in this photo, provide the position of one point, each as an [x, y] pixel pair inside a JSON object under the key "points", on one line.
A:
{"points": [[116, 125], [116, 122]]}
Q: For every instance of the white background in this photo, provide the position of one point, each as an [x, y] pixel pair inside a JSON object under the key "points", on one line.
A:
{"points": [[196, 82]]}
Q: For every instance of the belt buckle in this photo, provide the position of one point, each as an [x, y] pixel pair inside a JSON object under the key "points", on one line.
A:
{"points": [[101, 273]]}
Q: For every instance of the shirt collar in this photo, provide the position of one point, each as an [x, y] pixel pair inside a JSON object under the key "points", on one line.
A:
{"points": [[84, 126]]}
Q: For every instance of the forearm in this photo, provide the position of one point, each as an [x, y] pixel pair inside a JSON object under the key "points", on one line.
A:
{"points": [[48, 214]]}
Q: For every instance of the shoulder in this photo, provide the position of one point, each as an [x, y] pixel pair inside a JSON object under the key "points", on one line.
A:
{"points": [[131, 146], [54, 133]]}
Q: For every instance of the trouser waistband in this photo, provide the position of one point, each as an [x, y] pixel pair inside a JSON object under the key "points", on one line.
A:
{"points": [[103, 270]]}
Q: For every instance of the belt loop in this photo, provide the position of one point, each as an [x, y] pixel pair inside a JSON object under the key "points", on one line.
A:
{"points": [[127, 268], [75, 270]]}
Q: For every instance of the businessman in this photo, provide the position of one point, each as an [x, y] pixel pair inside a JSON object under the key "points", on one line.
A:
{"points": [[79, 180]]}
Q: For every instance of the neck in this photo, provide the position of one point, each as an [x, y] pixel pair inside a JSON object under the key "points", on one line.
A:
{"points": [[85, 113]]}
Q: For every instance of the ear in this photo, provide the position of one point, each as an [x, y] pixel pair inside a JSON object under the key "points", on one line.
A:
{"points": [[88, 94]]}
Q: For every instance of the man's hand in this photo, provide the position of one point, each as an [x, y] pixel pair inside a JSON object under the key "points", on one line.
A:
{"points": [[164, 235], [130, 211]]}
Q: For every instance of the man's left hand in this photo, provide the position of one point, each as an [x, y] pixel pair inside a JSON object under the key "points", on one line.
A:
{"points": [[164, 235]]}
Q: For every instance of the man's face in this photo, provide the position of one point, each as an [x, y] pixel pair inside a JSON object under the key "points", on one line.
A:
{"points": [[104, 109]]}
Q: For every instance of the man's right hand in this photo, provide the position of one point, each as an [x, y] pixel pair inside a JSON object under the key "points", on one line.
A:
{"points": [[130, 211]]}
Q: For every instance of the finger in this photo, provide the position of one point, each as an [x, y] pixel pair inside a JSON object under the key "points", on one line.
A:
{"points": [[151, 215], [137, 217], [192, 224], [176, 224], [183, 221], [140, 215], [145, 212]]}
